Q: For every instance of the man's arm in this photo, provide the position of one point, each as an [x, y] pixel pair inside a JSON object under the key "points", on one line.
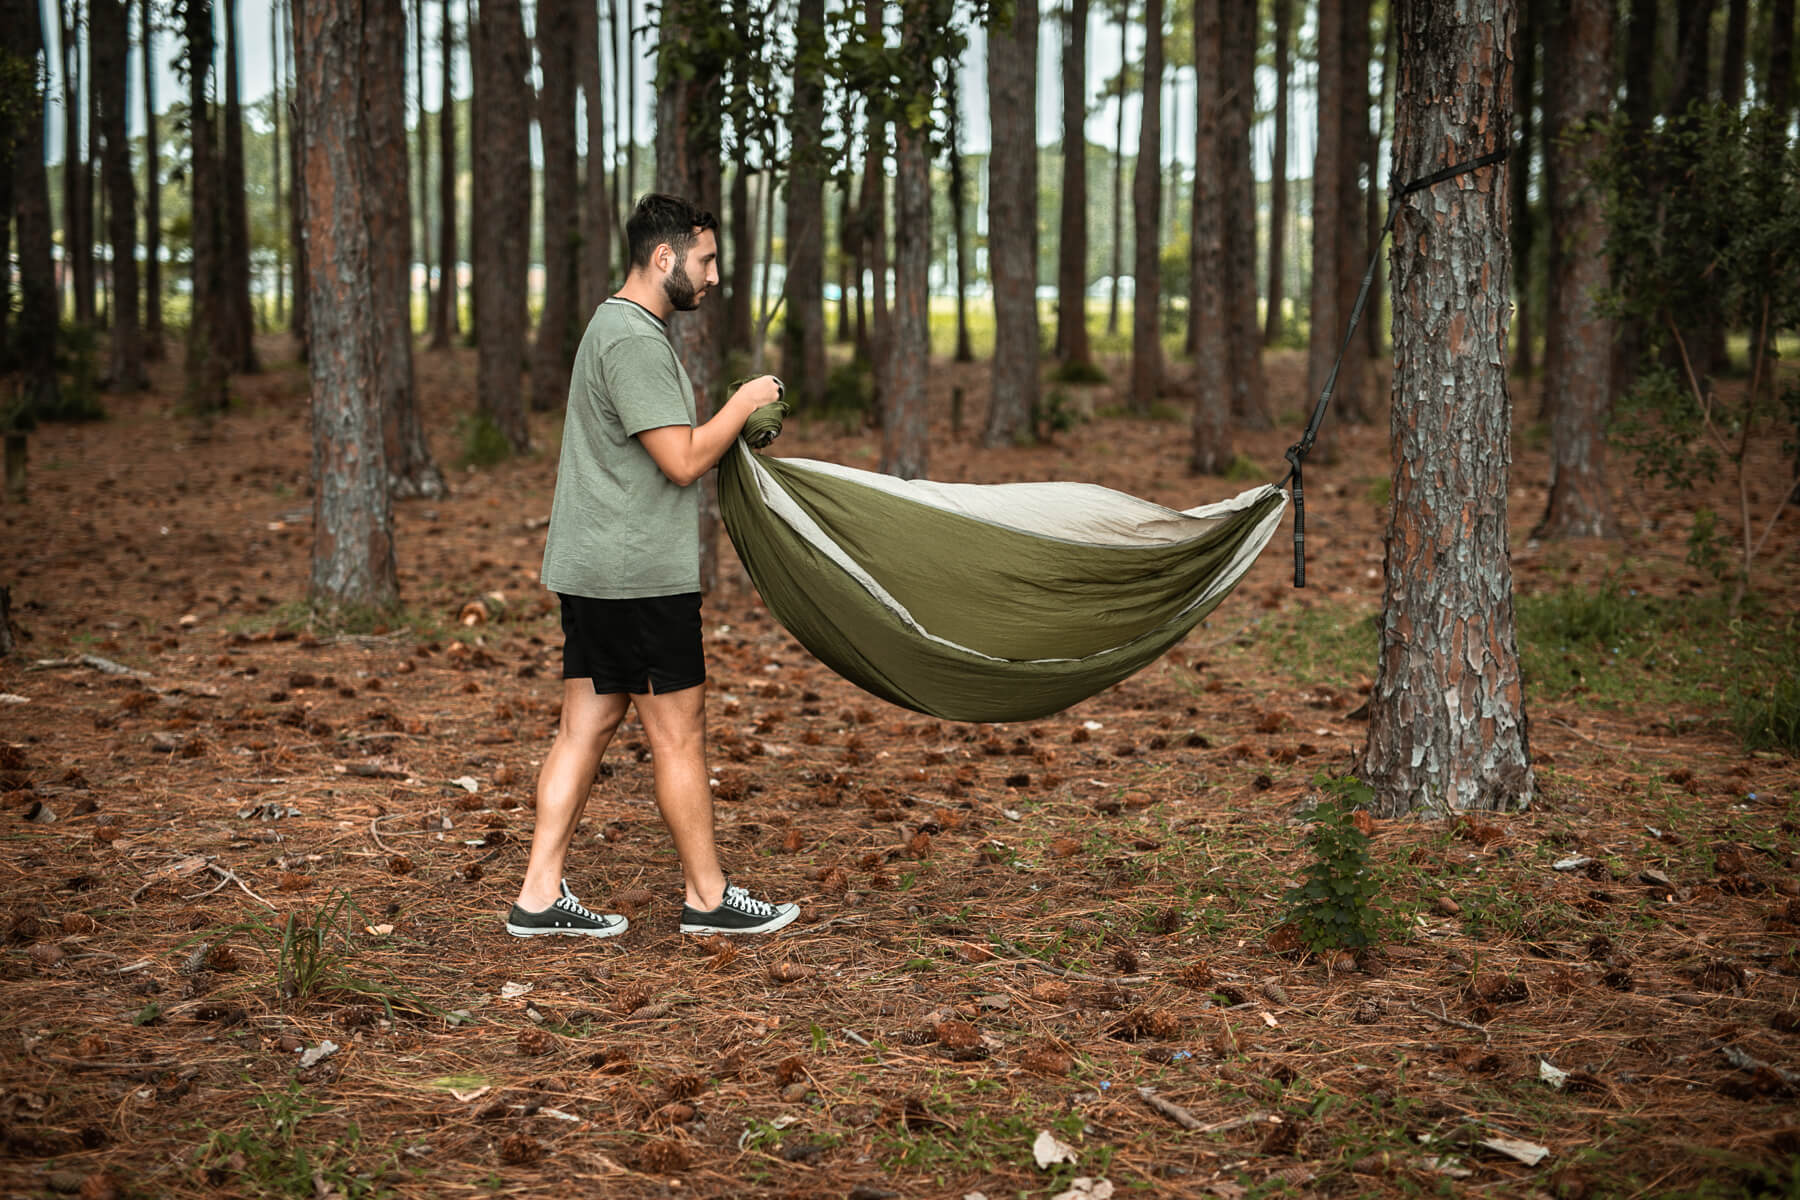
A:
{"points": [[686, 452]]}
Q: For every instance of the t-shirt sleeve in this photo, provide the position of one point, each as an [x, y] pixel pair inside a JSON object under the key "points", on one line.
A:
{"points": [[645, 388]]}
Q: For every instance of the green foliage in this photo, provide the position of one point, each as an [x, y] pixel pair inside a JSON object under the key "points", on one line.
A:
{"points": [[1703, 227], [1057, 414], [484, 445], [1577, 616], [850, 390], [1765, 708], [270, 1158], [1244, 469], [1334, 905], [1078, 372], [79, 397]]}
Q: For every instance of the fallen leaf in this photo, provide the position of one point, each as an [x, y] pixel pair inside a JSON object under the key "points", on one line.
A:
{"points": [[1083, 1188], [512, 991], [1529, 1153], [313, 1055], [1553, 1076]]}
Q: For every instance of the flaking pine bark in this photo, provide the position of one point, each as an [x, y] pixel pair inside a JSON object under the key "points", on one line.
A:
{"points": [[1447, 726]]}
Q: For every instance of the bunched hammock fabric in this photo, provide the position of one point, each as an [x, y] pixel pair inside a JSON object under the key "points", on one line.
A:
{"points": [[972, 602]]}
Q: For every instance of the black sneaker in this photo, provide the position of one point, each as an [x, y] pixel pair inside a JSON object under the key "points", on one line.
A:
{"points": [[566, 915], [738, 912]]}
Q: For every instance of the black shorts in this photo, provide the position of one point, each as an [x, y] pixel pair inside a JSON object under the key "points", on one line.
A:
{"points": [[645, 645]]}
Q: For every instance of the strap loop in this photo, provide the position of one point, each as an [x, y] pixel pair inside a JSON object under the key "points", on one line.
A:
{"points": [[1296, 454]]}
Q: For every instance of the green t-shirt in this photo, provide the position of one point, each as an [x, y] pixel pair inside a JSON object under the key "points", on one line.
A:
{"points": [[619, 527]]}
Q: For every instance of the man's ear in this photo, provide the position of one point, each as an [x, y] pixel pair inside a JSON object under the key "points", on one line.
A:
{"points": [[657, 257]]}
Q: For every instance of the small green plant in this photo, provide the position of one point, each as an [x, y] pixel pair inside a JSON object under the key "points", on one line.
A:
{"points": [[1244, 469], [1078, 372], [79, 397], [1333, 906], [483, 443], [1058, 414], [849, 392], [1765, 714], [270, 1158]]}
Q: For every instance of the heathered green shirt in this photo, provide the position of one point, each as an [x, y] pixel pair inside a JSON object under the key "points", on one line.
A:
{"points": [[619, 527]]}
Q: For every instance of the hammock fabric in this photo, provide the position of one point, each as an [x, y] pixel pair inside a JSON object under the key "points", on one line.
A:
{"points": [[970, 602]]}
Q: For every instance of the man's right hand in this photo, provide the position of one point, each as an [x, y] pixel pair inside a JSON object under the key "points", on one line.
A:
{"points": [[754, 393]]}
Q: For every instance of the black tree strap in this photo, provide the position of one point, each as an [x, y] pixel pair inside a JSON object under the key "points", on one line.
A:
{"points": [[1296, 454]]}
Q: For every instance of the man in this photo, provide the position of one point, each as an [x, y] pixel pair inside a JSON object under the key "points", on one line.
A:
{"points": [[623, 555]]}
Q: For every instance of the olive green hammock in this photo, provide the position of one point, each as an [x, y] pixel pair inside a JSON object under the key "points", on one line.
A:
{"points": [[972, 602]]}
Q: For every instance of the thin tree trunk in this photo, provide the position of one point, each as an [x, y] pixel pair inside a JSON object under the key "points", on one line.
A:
{"points": [[1237, 111], [445, 318], [236, 325], [559, 328], [207, 365], [423, 146], [740, 254], [1146, 200], [1374, 200], [1072, 345], [628, 113], [905, 444], [959, 201], [597, 225], [502, 246], [302, 327], [1118, 188], [78, 204], [1211, 450], [108, 28], [1780, 77], [153, 316], [353, 565], [22, 34], [875, 222], [1578, 350], [688, 150], [845, 257], [1012, 226], [1354, 166], [1524, 102], [389, 229], [1278, 173], [1447, 724], [275, 156], [619, 45], [803, 361], [1731, 59]]}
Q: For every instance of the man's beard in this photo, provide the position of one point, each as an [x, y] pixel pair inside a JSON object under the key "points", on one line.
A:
{"points": [[683, 295]]}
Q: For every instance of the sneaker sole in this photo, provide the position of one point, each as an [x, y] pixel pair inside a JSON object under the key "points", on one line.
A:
{"points": [[770, 926], [526, 931]]}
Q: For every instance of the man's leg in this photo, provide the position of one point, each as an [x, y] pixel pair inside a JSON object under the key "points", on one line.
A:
{"points": [[588, 723], [675, 726]]}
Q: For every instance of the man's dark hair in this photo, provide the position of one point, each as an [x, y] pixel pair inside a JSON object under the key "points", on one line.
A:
{"points": [[660, 218]]}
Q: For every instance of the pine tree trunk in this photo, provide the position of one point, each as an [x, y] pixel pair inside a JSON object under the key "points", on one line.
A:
{"points": [[353, 543], [553, 353], [444, 323], [275, 157], [1118, 182], [8, 138], [1780, 77], [1012, 226], [803, 362], [78, 183], [847, 260], [503, 217], [959, 219], [237, 325], [1146, 202], [207, 366], [22, 35], [688, 153], [1273, 322], [875, 225], [1447, 724], [596, 231], [386, 191], [905, 444], [1732, 56], [1325, 323], [153, 315], [1249, 405], [1352, 400], [422, 147], [1072, 345], [1524, 100], [111, 41], [740, 253], [1211, 450], [1578, 349]]}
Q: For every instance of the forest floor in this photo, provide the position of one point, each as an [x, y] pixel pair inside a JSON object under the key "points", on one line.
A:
{"points": [[253, 889]]}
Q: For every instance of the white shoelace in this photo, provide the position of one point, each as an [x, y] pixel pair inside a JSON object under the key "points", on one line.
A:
{"points": [[570, 904], [743, 901]]}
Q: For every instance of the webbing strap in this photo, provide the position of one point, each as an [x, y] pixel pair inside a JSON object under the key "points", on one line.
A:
{"points": [[1296, 454]]}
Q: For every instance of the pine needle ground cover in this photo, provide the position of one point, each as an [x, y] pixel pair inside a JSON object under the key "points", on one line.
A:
{"points": [[253, 891]]}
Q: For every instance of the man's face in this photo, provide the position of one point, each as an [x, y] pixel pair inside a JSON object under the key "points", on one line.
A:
{"points": [[702, 263]]}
